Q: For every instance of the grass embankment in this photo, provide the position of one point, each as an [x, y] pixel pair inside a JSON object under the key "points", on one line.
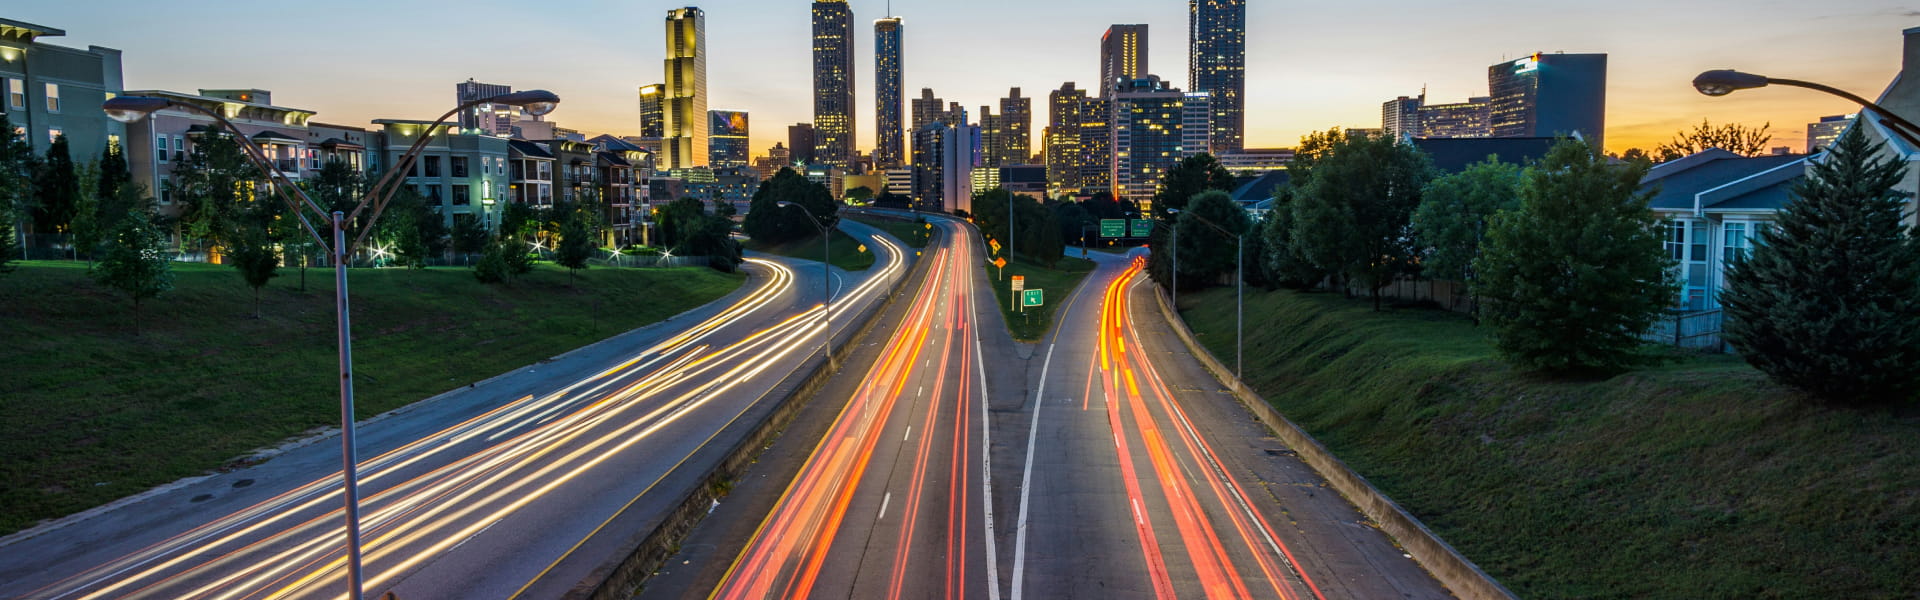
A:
{"points": [[911, 233], [92, 413], [1057, 283], [1698, 479], [846, 250]]}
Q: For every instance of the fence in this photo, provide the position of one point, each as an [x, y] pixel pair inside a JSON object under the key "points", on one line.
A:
{"points": [[1691, 330]]}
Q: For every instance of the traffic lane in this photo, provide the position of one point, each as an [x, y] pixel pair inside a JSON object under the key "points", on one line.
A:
{"points": [[1331, 543]]}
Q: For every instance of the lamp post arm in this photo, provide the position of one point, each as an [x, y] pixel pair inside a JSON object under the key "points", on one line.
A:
{"points": [[1898, 124], [381, 192], [275, 178]]}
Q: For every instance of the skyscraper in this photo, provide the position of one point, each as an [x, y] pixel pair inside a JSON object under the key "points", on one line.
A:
{"points": [[889, 149], [993, 131], [1016, 130], [1826, 131], [652, 111], [1123, 57], [1154, 127], [1062, 138], [833, 82], [927, 109], [943, 166], [729, 146], [1547, 95], [1096, 144], [800, 142], [1457, 120], [1400, 117], [685, 118], [1217, 65], [495, 119]]}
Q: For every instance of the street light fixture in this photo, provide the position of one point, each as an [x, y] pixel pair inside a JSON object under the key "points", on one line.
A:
{"points": [[826, 279], [131, 109], [1240, 283], [1721, 82]]}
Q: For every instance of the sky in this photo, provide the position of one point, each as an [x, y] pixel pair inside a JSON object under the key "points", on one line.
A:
{"points": [[1311, 65]]}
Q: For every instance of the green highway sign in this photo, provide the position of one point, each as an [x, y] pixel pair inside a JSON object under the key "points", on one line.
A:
{"points": [[1142, 228], [1031, 298], [1113, 228]]}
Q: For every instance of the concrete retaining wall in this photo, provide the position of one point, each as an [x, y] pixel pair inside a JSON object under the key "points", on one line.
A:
{"points": [[1454, 571]]}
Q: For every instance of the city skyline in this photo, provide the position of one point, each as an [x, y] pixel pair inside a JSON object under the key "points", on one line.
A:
{"points": [[759, 61]]}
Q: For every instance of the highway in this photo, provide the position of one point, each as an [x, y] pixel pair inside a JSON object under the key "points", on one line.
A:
{"points": [[484, 493]]}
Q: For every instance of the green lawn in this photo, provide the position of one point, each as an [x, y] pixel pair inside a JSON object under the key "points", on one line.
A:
{"points": [[846, 250], [909, 232], [1055, 283], [1698, 479], [92, 413]]}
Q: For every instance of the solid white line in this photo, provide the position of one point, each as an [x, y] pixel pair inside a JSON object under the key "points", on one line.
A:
{"points": [[909, 434], [986, 449], [883, 506], [1026, 481]]}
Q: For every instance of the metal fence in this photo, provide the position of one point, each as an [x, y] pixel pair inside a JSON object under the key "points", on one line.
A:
{"points": [[1692, 330]]}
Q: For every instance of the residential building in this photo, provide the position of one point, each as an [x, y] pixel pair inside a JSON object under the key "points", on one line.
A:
{"points": [[889, 96], [1217, 66], [1256, 161], [1061, 140], [495, 119], [48, 91], [653, 115], [993, 130], [1015, 145], [1550, 95], [800, 141], [573, 170], [1154, 127], [928, 109], [1096, 145], [1196, 124], [985, 178], [461, 173], [1470, 119], [729, 146], [1123, 57], [943, 167], [327, 143], [164, 139], [530, 173], [1256, 194], [833, 82], [1400, 117], [1902, 97], [1827, 130], [684, 115], [620, 168], [1716, 204]]}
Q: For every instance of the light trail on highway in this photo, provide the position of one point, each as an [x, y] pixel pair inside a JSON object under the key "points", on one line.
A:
{"points": [[425, 499]]}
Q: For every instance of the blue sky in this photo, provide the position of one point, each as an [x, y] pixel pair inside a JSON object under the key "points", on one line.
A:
{"points": [[1311, 65]]}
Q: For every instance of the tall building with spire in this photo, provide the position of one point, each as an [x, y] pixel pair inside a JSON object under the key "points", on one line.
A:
{"points": [[1123, 57], [684, 113], [889, 97], [1217, 65], [833, 82]]}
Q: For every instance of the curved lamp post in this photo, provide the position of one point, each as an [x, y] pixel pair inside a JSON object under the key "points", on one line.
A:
{"points": [[826, 280], [1726, 81], [130, 109], [1239, 276]]}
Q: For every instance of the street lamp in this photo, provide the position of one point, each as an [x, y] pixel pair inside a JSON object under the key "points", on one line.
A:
{"points": [[1726, 81], [130, 109], [1240, 282], [826, 280]]}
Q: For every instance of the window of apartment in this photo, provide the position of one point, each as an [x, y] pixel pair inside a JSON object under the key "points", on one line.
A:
{"points": [[459, 166], [519, 170], [166, 192], [460, 196], [16, 93], [179, 147], [53, 97], [53, 134], [432, 164], [160, 147], [546, 171], [432, 193]]}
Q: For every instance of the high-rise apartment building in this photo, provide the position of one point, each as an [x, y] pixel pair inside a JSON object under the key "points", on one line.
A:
{"points": [[1096, 144], [1016, 130], [1123, 57], [729, 147], [889, 97], [1154, 127], [685, 118], [1470, 119], [1546, 95], [927, 109], [1061, 140], [943, 166], [495, 119], [993, 130], [652, 111], [1400, 117], [833, 82], [1827, 131], [1217, 66], [800, 143]]}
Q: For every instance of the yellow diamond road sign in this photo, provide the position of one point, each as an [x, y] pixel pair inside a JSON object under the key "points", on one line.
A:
{"points": [[1000, 262], [863, 247], [995, 245]]}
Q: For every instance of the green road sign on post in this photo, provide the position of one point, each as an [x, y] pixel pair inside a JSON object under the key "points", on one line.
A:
{"points": [[1032, 298], [1113, 228], [1142, 228]]}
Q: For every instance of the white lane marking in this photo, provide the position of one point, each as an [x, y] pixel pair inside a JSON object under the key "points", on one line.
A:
{"points": [[1026, 481], [986, 449], [883, 506], [922, 392], [909, 434]]}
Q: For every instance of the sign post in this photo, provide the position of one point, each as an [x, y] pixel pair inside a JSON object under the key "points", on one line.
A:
{"points": [[1019, 283], [1002, 271]]}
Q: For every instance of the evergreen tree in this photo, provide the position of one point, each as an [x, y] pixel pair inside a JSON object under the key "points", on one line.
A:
{"points": [[16, 190], [113, 172], [132, 262], [1452, 218], [1574, 276], [575, 247], [1829, 301], [468, 236], [253, 254], [56, 185], [492, 267], [214, 189], [86, 228]]}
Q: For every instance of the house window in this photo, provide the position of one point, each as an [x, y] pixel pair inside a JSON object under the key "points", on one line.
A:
{"points": [[460, 197], [1676, 240], [1737, 245], [459, 166], [16, 93], [160, 147], [53, 97]]}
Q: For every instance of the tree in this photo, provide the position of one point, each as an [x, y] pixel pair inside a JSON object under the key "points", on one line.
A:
{"points": [[411, 230], [253, 254], [679, 218], [1732, 137], [709, 235], [858, 194], [1206, 253], [133, 264], [1637, 155], [1829, 301], [56, 185], [1574, 276], [469, 236], [517, 222], [113, 172], [1353, 215], [1195, 174], [16, 190], [86, 212], [492, 267], [215, 189], [1452, 217], [1285, 266], [768, 222], [1074, 221], [575, 247]]}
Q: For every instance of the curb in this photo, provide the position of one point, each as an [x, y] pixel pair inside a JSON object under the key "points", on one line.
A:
{"points": [[618, 577], [1447, 565]]}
